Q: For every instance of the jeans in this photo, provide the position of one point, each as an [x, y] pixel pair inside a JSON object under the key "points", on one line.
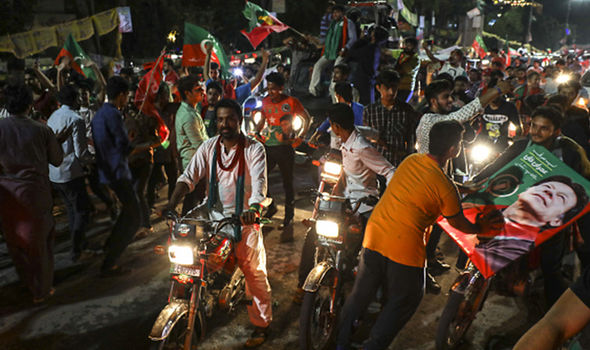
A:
{"points": [[100, 190], [141, 174], [171, 170], [284, 157], [77, 205], [403, 291], [126, 225]]}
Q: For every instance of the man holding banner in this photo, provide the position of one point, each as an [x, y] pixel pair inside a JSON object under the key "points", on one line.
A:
{"points": [[507, 190]]}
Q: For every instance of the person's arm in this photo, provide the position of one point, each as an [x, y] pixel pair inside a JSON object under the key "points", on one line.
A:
{"points": [[256, 160], [207, 65], [490, 221], [64, 64], [188, 180], [115, 127], [351, 35], [503, 87], [45, 82], [566, 318], [375, 161], [80, 142], [102, 83], [432, 58], [258, 78], [55, 154]]}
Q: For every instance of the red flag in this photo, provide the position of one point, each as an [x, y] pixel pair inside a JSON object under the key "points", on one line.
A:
{"points": [[145, 96], [260, 24], [479, 46]]}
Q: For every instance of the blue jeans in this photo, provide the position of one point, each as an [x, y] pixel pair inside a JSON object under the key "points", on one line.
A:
{"points": [[403, 288], [77, 205]]}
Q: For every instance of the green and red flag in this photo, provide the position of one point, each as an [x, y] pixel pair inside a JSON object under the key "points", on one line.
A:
{"points": [[479, 46], [194, 51], [507, 51], [260, 24], [77, 56]]}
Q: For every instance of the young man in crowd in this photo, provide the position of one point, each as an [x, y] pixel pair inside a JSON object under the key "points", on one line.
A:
{"points": [[393, 246]]}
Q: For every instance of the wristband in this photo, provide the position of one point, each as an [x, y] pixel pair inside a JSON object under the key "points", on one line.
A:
{"points": [[499, 90]]}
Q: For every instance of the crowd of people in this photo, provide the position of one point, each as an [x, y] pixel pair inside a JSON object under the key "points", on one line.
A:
{"points": [[64, 134]]}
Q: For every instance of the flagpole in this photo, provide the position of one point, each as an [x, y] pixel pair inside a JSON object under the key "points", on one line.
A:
{"points": [[148, 87]]}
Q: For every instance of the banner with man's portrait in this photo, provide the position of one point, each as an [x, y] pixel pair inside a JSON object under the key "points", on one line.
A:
{"points": [[537, 194]]}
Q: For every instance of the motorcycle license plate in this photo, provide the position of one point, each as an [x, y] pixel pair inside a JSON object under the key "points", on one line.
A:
{"points": [[194, 271]]}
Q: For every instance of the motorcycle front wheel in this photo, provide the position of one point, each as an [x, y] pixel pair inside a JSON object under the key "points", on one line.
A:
{"points": [[175, 340], [317, 325]]}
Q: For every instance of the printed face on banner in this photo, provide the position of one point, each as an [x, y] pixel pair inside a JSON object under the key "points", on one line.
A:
{"points": [[537, 195]]}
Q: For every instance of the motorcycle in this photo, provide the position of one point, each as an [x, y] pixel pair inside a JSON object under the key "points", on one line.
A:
{"points": [[338, 237], [470, 290], [204, 276]]}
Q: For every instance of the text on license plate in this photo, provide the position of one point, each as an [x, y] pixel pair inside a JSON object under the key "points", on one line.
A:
{"points": [[187, 270]]}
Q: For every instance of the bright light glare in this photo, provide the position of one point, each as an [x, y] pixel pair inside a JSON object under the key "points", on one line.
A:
{"points": [[512, 127], [172, 36], [238, 72], [480, 153], [327, 228], [485, 62], [258, 103], [581, 102], [257, 117], [562, 78], [182, 255], [332, 168], [297, 123]]}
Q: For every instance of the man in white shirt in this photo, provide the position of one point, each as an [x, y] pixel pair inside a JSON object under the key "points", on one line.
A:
{"points": [[361, 163], [68, 178], [238, 164]]}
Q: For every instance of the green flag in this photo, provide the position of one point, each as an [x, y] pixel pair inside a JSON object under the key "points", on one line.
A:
{"points": [[194, 52]]}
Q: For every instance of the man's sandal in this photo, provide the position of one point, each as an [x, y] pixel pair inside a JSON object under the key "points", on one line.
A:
{"points": [[257, 338]]}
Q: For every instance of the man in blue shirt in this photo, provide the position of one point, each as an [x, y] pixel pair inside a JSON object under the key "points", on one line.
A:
{"points": [[343, 92], [112, 147], [68, 178]]}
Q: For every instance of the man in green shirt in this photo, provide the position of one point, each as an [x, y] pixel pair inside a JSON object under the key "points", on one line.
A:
{"points": [[190, 131]]}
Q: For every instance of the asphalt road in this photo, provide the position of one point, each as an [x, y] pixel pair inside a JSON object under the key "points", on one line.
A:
{"points": [[88, 312]]}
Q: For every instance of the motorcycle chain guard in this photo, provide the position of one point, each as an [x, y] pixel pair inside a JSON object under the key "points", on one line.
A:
{"points": [[167, 318], [315, 277]]}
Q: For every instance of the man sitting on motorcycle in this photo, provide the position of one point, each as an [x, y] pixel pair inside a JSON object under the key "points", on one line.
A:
{"points": [[546, 131], [235, 167], [393, 253], [361, 163]]}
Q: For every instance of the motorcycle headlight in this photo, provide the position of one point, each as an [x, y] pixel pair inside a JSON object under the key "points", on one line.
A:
{"points": [[297, 123], [327, 228], [332, 168], [181, 254], [562, 78], [257, 117], [480, 153]]}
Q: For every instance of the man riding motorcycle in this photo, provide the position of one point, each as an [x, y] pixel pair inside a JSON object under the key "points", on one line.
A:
{"points": [[235, 167], [361, 164]]}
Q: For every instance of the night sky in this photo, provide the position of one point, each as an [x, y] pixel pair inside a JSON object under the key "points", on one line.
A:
{"points": [[580, 11]]}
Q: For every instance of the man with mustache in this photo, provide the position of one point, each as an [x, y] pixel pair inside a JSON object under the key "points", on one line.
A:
{"points": [[233, 167]]}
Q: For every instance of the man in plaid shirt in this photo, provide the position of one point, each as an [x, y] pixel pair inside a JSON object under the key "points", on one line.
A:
{"points": [[395, 120]]}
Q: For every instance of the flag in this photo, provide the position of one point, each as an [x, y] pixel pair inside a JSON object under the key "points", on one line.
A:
{"points": [[73, 50], [145, 96], [507, 50], [479, 46], [194, 52], [260, 24]]}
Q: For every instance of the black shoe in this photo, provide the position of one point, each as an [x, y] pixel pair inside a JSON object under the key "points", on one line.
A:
{"points": [[271, 211], [437, 267], [432, 285]]}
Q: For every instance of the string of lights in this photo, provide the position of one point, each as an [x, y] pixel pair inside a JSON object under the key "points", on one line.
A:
{"points": [[521, 3]]}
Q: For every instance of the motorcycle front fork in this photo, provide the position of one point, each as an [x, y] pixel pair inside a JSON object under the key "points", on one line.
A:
{"points": [[195, 296]]}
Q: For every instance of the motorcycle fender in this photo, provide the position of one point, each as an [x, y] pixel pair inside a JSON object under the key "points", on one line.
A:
{"points": [[315, 276], [168, 318]]}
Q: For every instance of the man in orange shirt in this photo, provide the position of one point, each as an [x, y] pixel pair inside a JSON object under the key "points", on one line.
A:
{"points": [[278, 146], [394, 253]]}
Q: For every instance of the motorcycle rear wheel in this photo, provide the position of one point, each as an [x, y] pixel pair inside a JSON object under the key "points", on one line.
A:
{"points": [[175, 340], [317, 325]]}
